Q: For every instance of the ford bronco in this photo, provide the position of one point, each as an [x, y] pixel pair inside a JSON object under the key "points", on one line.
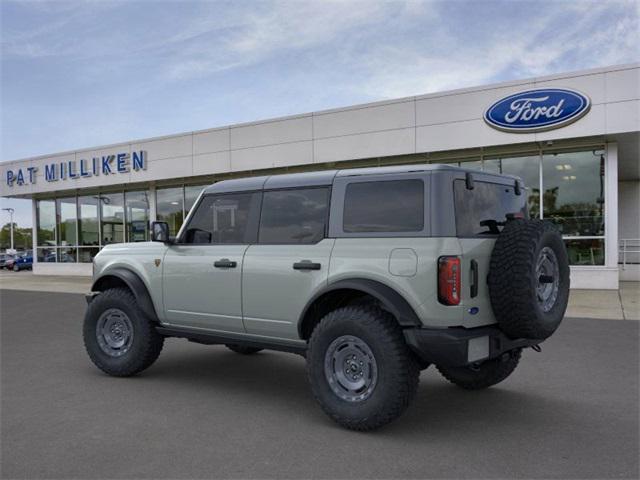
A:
{"points": [[371, 274]]}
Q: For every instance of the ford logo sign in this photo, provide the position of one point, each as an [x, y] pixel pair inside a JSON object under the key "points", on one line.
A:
{"points": [[537, 110]]}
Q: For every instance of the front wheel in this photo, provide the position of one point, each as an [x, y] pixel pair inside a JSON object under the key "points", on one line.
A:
{"points": [[16, 268], [361, 371], [120, 340], [484, 375]]}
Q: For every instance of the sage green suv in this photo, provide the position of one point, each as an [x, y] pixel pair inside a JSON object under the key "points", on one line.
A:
{"points": [[371, 274]]}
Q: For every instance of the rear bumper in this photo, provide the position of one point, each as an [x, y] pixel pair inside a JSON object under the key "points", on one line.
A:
{"points": [[456, 347]]}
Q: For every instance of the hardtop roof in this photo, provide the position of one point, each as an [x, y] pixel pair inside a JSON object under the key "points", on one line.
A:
{"points": [[326, 177]]}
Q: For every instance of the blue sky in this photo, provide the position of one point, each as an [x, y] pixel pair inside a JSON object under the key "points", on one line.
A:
{"points": [[80, 74]]}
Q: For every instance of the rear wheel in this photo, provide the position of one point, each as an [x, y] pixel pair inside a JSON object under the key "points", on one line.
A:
{"points": [[242, 349], [118, 337], [16, 268], [484, 375], [361, 371]]}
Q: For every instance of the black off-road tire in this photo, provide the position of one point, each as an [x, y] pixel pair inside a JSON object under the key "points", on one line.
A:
{"points": [[146, 343], [242, 349], [16, 268], [513, 280], [397, 370], [484, 375]]}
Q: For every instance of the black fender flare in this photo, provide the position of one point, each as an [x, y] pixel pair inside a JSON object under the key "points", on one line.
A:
{"points": [[135, 284], [390, 299]]}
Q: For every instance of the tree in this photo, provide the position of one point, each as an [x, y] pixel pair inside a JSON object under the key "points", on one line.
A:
{"points": [[22, 237]]}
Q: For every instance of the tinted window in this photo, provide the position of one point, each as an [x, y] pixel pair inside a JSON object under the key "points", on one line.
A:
{"points": [[294, 216], [224, 219], [391, 206], [481, 211]]}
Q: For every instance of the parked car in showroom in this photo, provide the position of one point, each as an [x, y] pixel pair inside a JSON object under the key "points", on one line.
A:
{"points": [[372, 274]]}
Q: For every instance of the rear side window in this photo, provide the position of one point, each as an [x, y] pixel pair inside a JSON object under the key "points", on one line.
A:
{"points": [[222, 219], [387, 206], [294, 216], [483, 210]]}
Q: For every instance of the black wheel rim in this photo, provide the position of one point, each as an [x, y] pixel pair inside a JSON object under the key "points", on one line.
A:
{"points": [[350, 368], [114, 332], [548, 279]]}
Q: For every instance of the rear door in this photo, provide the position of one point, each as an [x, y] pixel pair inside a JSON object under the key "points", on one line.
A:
{"points": [[480, 216], [289, 263], [202, 273]]}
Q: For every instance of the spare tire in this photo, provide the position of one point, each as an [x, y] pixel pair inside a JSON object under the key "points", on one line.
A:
{"points": [[529, 279]]}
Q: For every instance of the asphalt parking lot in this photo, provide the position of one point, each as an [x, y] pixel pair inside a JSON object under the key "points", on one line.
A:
{"points": [[203, 411]]}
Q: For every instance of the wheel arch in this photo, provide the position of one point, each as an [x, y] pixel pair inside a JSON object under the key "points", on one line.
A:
{"points": [[343, 291], [123, 277]]}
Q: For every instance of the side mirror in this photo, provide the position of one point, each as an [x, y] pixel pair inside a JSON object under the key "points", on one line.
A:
{"points": [[160, 232]]}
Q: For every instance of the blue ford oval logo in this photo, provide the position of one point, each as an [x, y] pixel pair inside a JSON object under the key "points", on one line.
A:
{"points": [[537, 110]]}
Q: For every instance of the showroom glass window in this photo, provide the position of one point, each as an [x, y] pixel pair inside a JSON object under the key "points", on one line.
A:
{"points": [[573, 199], [527, 168], [46, 218], [170, 207], [88, 228], [112, 218], [88, 220], [191, 194], [46, 230], [67, 214], [294, 216], [137, 216]]}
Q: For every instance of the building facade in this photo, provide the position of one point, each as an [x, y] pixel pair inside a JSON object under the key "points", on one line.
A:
{"points": [[573, 138]]}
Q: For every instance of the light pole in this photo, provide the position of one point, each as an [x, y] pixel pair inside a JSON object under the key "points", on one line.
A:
{"points": [[10, 210]]}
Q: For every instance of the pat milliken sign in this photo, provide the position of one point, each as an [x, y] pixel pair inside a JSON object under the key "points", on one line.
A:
{"points": [[105, 165], [537, 110]]}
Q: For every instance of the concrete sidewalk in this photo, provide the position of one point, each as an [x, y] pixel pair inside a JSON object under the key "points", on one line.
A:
{"points": [[26, 280], [623, 304]]}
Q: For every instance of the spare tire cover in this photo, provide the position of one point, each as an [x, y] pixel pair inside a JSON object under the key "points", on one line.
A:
{"points": [[529, 279]]}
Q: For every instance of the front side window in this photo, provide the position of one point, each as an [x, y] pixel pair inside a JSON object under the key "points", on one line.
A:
{"points": [[386, 206], [483, 210], [294, 216], [220, 219]]}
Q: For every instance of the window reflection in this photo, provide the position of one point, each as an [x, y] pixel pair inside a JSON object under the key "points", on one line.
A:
{"points": [[169, 207], [527, 168], [574, 192], [190, 196], [112, 215], [585, 251], [67, 221], [137, 216], [88, 220], [46, 222], [46, 255]]}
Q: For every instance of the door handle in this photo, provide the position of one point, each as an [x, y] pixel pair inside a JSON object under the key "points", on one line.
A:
{"points": [[474, 279], [306, 265], [225, 263]]}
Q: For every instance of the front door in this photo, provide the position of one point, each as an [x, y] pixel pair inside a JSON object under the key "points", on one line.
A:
{"points": [[289, 263], [202, 274]]}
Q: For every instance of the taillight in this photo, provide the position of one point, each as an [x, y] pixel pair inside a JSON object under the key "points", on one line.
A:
{"points": [[449, 280]]}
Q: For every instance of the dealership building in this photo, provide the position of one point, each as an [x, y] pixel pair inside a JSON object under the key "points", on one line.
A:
{"points": [[573, 138]]}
